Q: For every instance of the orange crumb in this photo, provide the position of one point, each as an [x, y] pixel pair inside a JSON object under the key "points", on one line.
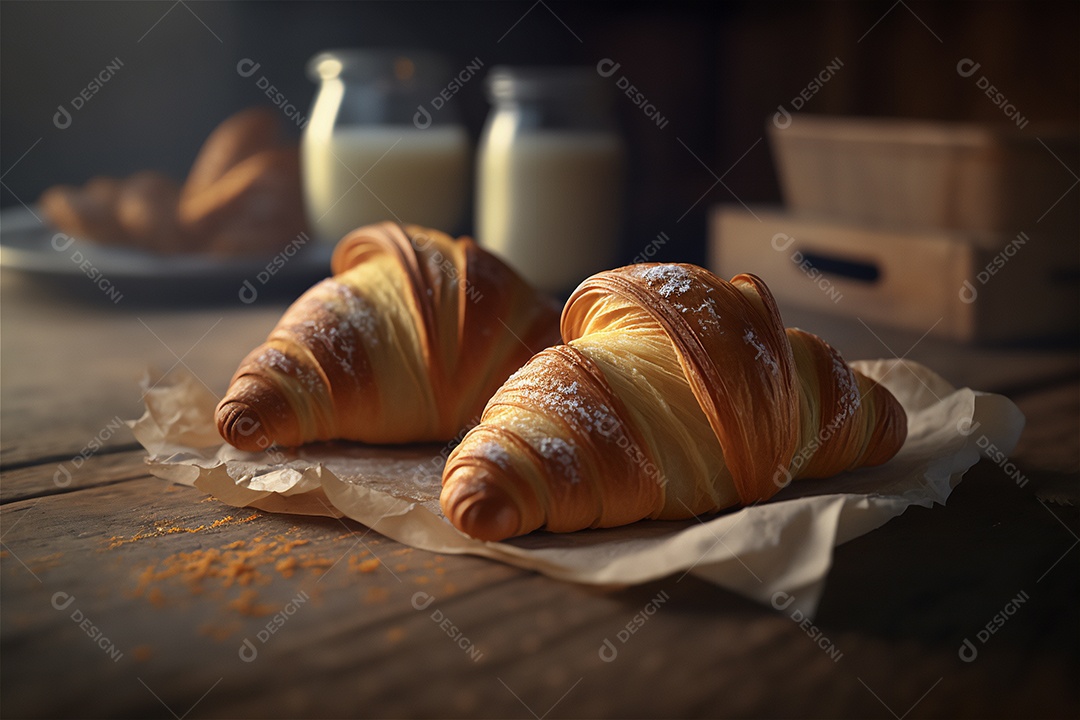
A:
{"points": [[245, 605], [286, 566], [142, 653], [145, 579], [440, 571], [199, 566], [401, 551], [4, 553], [287, 547], [395, 634], [315, 562], [401, 567], [421, 580], [366, 566], [244, 564], [240, 572], [160, 531], [223, 521]]}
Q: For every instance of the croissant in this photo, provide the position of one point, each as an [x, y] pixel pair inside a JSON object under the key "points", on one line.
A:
{"points": [[88, 211], [677, 394], [405, 343], [239, 137], [146, 210], [242, 195], [253, 208]]}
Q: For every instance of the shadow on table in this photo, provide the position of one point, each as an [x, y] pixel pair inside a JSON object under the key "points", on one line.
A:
{"points": [[137, 293]]}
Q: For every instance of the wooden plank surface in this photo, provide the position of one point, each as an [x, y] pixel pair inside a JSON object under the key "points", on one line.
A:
{"points": [[71, 369], [125, 596]]}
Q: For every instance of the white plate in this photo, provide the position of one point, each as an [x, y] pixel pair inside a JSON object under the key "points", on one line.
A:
{"points": [[27, 245]]}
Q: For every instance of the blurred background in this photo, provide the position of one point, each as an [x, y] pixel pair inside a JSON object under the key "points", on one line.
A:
{"points": [[701, 94], [716, 71]]}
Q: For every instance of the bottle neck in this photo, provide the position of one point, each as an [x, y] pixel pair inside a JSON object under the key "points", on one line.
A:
{"points": [[570, 98]]}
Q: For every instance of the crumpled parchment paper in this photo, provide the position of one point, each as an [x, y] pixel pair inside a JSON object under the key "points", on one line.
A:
{"points": [[783, 545]]}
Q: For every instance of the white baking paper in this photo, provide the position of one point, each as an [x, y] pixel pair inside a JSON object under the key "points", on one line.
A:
{"points": [[784, 545]]}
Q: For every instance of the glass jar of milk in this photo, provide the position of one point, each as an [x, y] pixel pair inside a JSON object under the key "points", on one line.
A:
{"points": [[376, 149], [550, 174]]}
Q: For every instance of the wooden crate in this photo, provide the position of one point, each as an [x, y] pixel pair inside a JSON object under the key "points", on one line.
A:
{"points": [[969, 287], [894, 173]]}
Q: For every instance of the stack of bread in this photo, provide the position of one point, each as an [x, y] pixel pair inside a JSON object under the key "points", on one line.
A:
{"points": [[241, 198]]}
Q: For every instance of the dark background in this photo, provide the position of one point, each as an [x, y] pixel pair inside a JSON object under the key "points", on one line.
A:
{"points": [[715, 70]]}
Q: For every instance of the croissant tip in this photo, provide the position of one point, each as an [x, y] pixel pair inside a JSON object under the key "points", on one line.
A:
{"points": [[482, 510], [241, 426]]}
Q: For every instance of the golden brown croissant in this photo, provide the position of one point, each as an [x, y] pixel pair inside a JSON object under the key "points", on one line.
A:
{"points": [[405, 343], [254, 207], [243, 195], [678, 393], [237, 138]]}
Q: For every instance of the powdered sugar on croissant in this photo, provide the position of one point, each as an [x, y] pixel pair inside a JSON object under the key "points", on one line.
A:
{"points": [[406, 343], [678, 393]]}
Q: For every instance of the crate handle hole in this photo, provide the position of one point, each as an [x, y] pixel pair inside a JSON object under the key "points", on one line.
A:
{"points": [[859, 271]]}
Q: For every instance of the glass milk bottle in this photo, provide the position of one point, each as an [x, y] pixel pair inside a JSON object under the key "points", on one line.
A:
{"points": [[550, 174], [376, 149]]}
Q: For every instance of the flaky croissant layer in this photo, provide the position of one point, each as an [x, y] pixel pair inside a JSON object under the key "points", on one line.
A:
{"points": [[405, 343], [677, 394]]}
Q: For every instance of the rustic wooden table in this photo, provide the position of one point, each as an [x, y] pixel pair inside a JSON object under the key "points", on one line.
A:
{"points": [[125, 596]]}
